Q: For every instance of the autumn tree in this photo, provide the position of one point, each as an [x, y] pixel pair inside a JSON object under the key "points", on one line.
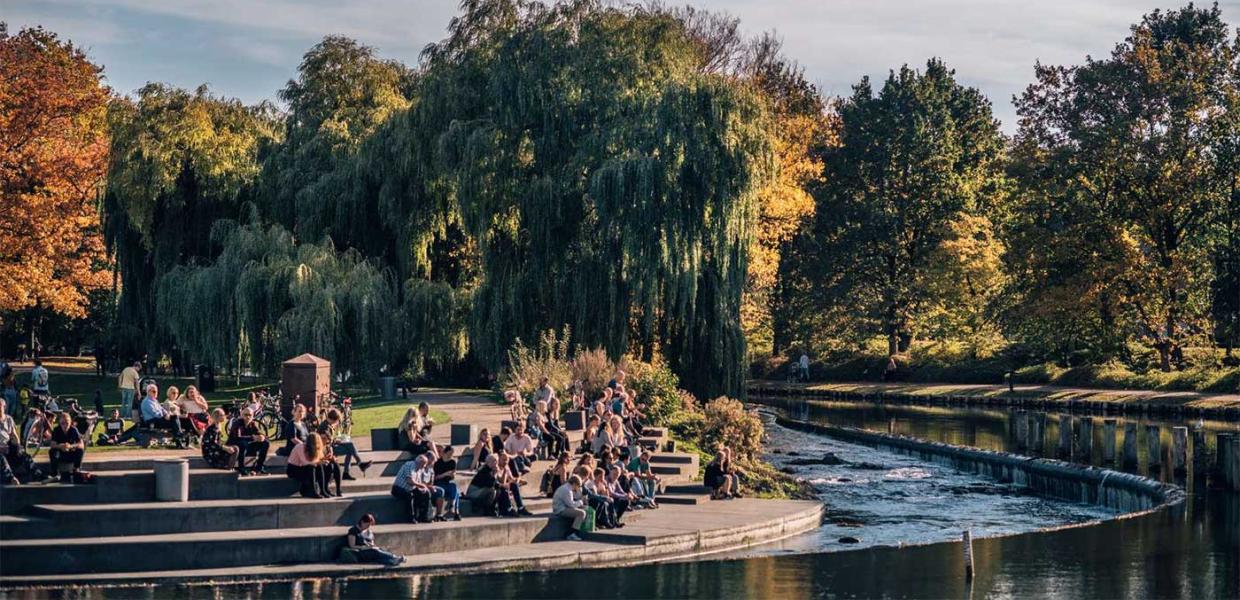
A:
{"points": [[1120, 186], [53, 154], [916, 173]]}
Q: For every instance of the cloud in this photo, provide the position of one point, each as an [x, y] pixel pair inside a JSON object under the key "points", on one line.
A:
{"points": [[248, 48]]}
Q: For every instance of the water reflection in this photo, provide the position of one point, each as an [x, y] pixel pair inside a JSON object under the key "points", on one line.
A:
{"points": [[1190, 551]]}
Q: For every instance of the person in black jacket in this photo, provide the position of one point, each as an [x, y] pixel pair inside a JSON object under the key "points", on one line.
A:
{"points": [[246, 435]]}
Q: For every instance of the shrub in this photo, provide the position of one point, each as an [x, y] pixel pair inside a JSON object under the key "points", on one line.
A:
{"points": [[727, 421]]}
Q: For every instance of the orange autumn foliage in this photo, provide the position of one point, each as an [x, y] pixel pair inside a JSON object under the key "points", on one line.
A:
{"points": [[53, 155]]}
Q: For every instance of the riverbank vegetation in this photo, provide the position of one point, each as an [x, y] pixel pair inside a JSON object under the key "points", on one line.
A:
{"points": [[697, 427], [649, 182]]}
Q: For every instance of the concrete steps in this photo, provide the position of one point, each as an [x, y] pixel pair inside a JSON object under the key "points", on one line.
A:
{"points": [[216, 549]]}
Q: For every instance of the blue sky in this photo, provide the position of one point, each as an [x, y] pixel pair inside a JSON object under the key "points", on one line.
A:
{"points": [[250, 48]]}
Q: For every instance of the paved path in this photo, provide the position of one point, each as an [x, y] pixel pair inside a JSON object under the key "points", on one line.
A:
{"points": [[1052, 392]]}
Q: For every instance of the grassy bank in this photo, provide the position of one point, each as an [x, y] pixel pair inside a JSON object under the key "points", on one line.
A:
{"points": [[936, 363]]}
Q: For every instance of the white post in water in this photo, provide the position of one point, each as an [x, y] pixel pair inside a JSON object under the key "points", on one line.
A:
{"points": [[1108, 440], [1130, 444], [967, 538], [1179, 448], [1154, 444]]}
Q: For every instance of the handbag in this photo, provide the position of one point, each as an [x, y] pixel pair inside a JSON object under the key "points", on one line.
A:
{"points": [[587, 525]]}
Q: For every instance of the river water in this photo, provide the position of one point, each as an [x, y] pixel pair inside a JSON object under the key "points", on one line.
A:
{"points": [[905, 516]]}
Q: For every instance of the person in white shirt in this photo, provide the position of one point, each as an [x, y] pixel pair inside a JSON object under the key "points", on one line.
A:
{"points": [[127, 382], [804, 367], [566, 503], [521, 446]]}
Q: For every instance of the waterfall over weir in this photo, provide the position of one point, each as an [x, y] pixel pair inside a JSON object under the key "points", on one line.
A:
{"points": [[1119, 491]]}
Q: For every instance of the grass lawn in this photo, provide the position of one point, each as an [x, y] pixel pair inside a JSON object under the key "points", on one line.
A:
{"points": [[369, 410]]}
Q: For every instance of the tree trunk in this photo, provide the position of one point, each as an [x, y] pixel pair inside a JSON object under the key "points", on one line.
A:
{"points": [[893, 341]]}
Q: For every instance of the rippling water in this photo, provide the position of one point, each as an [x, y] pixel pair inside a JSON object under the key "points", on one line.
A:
{"points": [[884, 499]]}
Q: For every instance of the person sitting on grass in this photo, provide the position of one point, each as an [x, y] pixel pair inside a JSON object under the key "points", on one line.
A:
{"points": [[305, 466], [217, 455], [67, 448], [330, 429], [248, 438], [361, 540], [113, 428], [445, 479], [566, 503], [520, 447]]}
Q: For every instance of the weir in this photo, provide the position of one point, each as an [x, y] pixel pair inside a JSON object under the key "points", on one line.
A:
{"points": [[1124, 492]]}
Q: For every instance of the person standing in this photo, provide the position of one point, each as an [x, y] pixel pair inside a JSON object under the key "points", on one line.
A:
{"points": [[127, 382], [804, 367], [39, 379]]}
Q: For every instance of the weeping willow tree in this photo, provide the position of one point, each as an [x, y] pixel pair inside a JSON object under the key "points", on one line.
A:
{"points": [[342, 95], [267, 297], [180, 160], [607, 182]]}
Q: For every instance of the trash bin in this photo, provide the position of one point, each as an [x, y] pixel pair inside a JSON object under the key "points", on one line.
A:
{"points": [[172, 480], [387, 386], [206, 379]]}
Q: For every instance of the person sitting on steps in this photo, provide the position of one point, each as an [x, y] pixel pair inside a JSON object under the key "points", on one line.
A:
{"points": [[481, 449], [445, 479], [67, 448], [305, 465], [412, 486], [330, 429], [295, 430], [411, 429], [249, 440], [361, 539], [510, 483], [598, 494], [520, 446], [566, 503], [217, 455], [721, 483]]}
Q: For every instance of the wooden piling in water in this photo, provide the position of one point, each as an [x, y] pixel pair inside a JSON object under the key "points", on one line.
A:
{"points": [[1234, 455], [1039, 437], [1179, 449], [1021, 424], [1154, 444], [1130, 444], [1086, 438], [1065, 436], [1200, 454], [1108, 440]]}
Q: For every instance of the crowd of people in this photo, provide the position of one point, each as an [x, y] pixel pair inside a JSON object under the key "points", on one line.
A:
{"points": [[593, 485]]}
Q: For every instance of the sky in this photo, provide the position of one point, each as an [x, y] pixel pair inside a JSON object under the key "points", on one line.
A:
{"points": [[250, 48]]}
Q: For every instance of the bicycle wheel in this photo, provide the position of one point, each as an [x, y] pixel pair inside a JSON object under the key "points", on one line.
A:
{"points": [[270, 424], [34, 438]]}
